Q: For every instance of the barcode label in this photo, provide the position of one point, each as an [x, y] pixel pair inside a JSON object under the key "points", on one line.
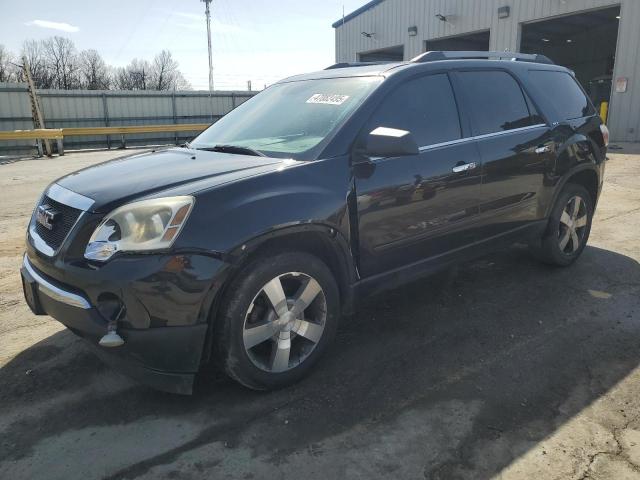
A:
{"points": [[328, 99]]}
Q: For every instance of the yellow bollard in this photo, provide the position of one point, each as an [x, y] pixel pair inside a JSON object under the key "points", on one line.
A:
{"points": [[604, 111]]}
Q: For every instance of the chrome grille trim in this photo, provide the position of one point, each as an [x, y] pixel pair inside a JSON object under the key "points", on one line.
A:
{"points": [[66, 197], [69, 197]]}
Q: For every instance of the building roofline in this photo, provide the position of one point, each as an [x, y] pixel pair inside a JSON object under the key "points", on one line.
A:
{"points": [[355, 13]]}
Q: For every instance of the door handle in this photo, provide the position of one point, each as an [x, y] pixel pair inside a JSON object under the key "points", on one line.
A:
{"points": [[464, 167], [543, 149]]}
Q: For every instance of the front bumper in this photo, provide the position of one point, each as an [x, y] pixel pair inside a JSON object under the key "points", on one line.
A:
{"points": [[158, 352]]}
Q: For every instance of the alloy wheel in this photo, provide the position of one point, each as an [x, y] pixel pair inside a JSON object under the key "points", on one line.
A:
{"points": [[573, 224], [284, 322]]}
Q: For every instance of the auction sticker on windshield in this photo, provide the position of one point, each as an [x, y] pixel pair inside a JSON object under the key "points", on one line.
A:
{"points": [[328, 99]]}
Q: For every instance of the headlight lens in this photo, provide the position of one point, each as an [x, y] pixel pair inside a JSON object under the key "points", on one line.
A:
{"points": [[139, 226]]}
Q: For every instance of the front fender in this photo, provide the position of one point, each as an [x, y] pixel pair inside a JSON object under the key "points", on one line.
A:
{"points": [[231, 215]]}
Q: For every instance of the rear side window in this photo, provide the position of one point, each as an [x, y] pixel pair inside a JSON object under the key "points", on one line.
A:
{"points": [[424, 106], [564, 92], [495, 100]]}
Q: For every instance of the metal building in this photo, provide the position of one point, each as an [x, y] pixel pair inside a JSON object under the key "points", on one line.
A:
{"points": [[598, 39]]}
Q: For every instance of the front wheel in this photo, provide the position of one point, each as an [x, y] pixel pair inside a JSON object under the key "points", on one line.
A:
{"points": [[278, 317], [569, 227]]}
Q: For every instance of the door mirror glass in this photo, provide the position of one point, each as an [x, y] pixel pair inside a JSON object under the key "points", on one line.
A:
{"points": [[390, 142]]}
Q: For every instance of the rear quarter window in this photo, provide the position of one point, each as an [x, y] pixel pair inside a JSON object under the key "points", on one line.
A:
{"points": [[564, 92]]}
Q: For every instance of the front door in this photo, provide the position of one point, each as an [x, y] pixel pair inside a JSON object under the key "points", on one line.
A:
{"points": [[415, 207]]}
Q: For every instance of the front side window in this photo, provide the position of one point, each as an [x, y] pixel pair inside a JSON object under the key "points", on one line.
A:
{"points": [[564, 92], [289, 120], [495, 100], [424, 106]]}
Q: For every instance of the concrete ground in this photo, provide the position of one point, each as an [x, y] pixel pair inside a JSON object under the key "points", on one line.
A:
{"points": [[503, 368]]}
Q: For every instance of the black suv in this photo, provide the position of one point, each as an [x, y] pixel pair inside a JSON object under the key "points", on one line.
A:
{"points": [[248, 244]]}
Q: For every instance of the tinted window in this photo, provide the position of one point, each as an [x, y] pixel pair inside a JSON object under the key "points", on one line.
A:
{"points": [[564, 92], [495, 101], [424, 106]]}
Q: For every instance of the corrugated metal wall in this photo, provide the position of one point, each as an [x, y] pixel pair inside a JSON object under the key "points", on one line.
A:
{"points": [[95, 108], [390, 19]]}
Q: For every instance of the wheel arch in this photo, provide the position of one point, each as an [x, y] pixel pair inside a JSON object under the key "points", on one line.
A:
{"points": [[586, 175], [588, 178], [322, 241]]}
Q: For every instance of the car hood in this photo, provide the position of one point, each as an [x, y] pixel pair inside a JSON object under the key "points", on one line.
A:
{"points": [[121, 180]]}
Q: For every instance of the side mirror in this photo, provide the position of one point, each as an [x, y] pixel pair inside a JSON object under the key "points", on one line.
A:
{"points": [[390, 142]]}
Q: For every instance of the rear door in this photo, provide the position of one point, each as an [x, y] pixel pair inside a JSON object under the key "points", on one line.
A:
{"points": [[414, 207], [515, 145]]}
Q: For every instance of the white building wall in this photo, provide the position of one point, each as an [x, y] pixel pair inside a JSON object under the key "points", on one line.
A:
{"points": [[390, 19]]}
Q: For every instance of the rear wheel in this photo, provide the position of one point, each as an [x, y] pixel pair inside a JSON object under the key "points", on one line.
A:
{"points": [[279, 315], [569, 227]]}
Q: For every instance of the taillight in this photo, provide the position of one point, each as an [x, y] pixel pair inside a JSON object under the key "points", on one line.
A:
{"points": [[605, 134]]}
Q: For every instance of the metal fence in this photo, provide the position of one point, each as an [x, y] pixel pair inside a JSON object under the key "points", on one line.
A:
{"points": [[98, 108]]}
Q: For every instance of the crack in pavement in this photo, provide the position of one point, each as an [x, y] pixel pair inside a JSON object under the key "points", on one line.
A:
{"points": [[616, 453]]}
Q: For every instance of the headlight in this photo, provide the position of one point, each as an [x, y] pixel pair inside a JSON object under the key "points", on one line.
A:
{"points": [[139, 226]]}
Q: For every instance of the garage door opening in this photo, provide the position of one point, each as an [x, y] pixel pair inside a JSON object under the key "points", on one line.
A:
{"points": [[478, 41], [391, 54], [585, 43]]}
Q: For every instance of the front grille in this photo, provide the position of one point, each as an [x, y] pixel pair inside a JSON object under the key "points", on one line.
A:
{"points": [[67, 217]]}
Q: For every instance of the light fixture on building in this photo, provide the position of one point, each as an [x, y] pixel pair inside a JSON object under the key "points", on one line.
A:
{"points": [[441, 17], [366, 34], [413, 31], [504, 12], [546, 40], [569, 40]]}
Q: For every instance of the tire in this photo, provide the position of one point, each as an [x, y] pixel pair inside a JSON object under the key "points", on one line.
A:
{"points": [[261, 323], [568, 229]]}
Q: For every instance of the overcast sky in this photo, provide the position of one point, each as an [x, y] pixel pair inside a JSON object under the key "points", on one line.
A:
{"points": [[258, 40]]}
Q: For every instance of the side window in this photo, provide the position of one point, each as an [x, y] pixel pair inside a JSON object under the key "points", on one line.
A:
{"points": [[424, 106], [564, 92], [495, 101]]}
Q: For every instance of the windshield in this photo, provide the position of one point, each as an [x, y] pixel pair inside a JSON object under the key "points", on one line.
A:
{"points": [[288, 120]]}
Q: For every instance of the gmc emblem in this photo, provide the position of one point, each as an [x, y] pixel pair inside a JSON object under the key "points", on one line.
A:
{"points": [[46, 216]]}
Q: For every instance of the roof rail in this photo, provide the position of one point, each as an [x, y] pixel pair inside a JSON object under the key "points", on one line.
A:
{"points": [[354, 64], [463, 55]]}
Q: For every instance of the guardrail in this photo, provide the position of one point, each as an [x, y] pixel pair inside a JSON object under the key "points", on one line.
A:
{"points": [[58, 134], [184, 127], [38, 133]]}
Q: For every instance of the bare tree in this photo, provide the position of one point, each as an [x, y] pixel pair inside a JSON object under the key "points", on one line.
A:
{"points": [[62, 61], [135, 76], [55, 63], [7, 68], [165, 74], [181, 83], [33, 51], [163, 68], [93, 72]]}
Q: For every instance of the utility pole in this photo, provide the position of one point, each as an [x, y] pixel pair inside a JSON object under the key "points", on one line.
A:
{"points": [[207, 13]]}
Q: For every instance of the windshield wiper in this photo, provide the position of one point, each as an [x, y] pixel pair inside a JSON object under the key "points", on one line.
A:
{"points": [[233, 149]]}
